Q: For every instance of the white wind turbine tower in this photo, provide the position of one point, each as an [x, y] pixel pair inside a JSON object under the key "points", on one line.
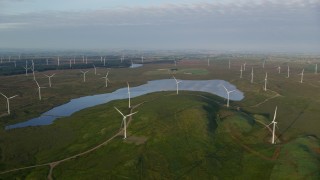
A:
{"points": [[228, 93], [129, 95], [177, 83], [301, 80], [279, 69], [39, 89], [15, 63], [50, 78], [265, 82], [8, 102], [208, 62], [274, 123], [84, 75], [58, 61], [241, 71], [70, 63], [316, 69], [82, 59], [244, 66], [100, 58], [107, 79], [251, 75], [104, 61], [47, 62], [74, 60], [229, 64], [288, 72], [124, 121], [141, 59], [95, 69]]}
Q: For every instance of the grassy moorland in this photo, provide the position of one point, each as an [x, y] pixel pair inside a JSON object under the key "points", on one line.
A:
{"points": [[185, 136]]}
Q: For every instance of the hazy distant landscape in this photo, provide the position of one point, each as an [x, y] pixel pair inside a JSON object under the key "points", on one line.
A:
{"points": [[184, 89]]}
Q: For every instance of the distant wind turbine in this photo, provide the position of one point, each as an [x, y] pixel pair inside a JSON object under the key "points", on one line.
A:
{"points": [[124, 121], [316, 69], [84, 75], [47, 62], [208, 62], [241, 71], [279, 69], [265, 82], [288, 72], [244, 66], [58, 61], [8, 102], [177, 84], [228, 94], [107, 79], [274, 123], [32, 68], [301, 80], [70, 63], [50, 76], [26, 68], [229, 64], [104, 61], [141, 59], [39, 89]]}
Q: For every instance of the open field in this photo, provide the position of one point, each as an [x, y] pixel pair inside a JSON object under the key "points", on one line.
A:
{"points": [[185, 136]]}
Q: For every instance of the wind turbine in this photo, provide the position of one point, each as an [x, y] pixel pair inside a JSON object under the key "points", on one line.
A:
{"points": [[32, 68], [74, 60], [82, 59], [58, 61], [279, 69], [228, 93], [274, 123], [8, 102], [244, 66], [26, 68], [129, 94], [39, 89], [107, 79], [251, 75], [177, 83], [265, 82], [50, 78], [124, 121], [208, 62], [241, 71], [229, 64], [104, 61], [84, 75], [288, 72], [95, 69], [47, 62], [122, 58], [141, 59], [15, 63], [301, 76], [70, 63], [100, 58], [316, 69]]}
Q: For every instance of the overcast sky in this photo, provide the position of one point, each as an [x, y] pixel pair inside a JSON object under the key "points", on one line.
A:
{"points": [[249, 25]]}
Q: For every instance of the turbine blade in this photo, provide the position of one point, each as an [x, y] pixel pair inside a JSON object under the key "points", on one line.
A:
{"points": [[12, 96], [131, 114], [119, 111], [4, 95]]}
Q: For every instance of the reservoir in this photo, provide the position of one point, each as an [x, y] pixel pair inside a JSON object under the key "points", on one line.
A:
{"points": [[77, 104]]}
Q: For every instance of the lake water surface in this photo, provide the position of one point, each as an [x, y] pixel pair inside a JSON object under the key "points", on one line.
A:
{"points": [[210, 86]]}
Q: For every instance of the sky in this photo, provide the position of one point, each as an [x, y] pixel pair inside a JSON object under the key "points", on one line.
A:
{"points": [[231, 25]]}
